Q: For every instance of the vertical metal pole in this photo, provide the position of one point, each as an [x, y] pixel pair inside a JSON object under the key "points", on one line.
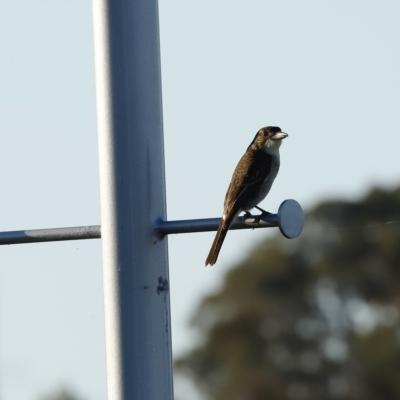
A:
{"points": [[132, 189]]}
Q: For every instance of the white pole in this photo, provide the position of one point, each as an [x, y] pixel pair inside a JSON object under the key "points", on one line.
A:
{"points": [[132, 190]]}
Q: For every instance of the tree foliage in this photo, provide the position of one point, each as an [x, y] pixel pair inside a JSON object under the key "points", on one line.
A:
{"points": [[314, 318]]}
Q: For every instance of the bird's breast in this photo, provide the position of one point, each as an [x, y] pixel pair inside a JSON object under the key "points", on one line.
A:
{"points": [[269, 180], [265, 186]]}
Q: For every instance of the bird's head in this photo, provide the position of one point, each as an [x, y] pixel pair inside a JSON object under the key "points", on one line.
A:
{"points": [[268, 138]]}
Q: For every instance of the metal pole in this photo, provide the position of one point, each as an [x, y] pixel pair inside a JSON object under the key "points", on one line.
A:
{"points": [[132, 190]]}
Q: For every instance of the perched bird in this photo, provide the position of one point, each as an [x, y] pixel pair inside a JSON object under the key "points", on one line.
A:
{"points": [[251, 181]]}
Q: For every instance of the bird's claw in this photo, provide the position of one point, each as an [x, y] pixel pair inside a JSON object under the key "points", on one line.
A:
{"points": [[263, 212], [249, 218]]}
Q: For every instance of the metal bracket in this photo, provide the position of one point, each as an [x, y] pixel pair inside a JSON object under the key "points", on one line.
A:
{"points": [[289, 219]]}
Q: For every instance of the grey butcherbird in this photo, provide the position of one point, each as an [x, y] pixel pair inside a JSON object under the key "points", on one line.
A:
{"points": [[251, 181]]}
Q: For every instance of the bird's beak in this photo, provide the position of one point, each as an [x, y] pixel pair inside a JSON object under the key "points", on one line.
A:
{"points": [[279, 136]]}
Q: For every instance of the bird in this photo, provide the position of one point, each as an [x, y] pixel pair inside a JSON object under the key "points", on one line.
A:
{"points": [[251, 182]]}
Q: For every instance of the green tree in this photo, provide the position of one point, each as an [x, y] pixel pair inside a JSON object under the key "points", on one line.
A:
{"points": [[314, 318]]}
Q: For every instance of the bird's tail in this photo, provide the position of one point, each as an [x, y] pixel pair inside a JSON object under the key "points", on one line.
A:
{"points": [[219, 239]]}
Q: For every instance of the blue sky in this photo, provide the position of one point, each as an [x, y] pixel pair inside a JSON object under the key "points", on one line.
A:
{"points": [[325, 72]]}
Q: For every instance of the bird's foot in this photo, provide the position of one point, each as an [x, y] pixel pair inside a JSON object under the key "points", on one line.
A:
{"points": [[248, 217], [263, 211], [254, 219]]}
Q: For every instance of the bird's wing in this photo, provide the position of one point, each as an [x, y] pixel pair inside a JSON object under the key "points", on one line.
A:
{"points": [[245, 185], [253, 168]]}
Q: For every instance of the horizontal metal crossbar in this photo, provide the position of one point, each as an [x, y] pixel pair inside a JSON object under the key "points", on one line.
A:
{"points": [[50, 235], [289, 219], [211, 224]]}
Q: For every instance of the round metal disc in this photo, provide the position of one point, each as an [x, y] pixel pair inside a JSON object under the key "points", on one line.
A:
{"points": [[290, 219]]}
